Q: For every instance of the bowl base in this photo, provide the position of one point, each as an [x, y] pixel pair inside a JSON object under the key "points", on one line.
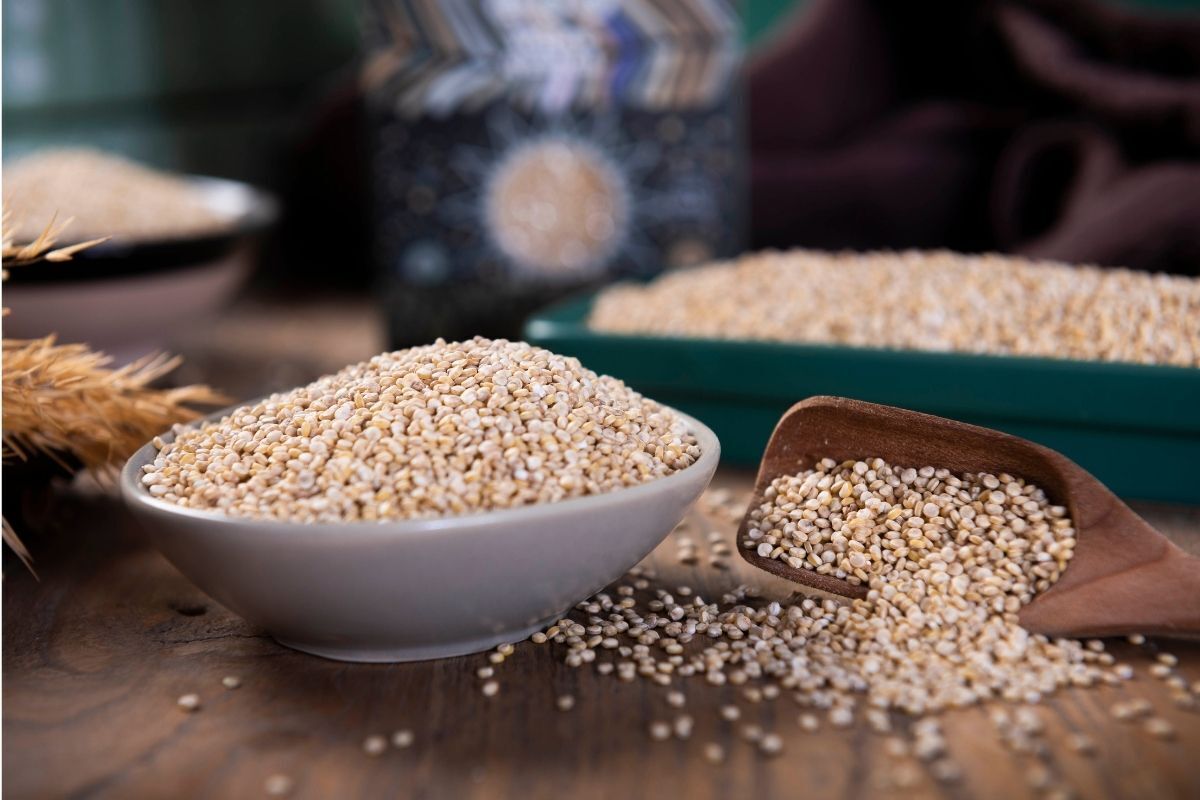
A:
{"points": [[385, 655]]}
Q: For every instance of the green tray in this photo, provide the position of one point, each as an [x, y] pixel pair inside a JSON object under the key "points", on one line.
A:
{"points": [[1133, 426]]}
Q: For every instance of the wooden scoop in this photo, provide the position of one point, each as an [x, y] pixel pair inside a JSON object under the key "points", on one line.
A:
{"points": [[1125, 577]]}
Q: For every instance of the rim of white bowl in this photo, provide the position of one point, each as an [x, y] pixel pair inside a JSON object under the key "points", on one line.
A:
{"points": [[135, 493]]}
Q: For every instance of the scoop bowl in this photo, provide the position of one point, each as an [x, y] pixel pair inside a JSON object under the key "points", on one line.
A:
{"points": [[418, 589], [1125, 577]]}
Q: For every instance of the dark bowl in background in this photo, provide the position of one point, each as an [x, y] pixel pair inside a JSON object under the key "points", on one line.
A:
{"points": [[126, 297]]}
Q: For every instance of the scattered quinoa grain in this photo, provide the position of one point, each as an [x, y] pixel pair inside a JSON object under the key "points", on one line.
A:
{"points": [[374, 745], [936, 631], [1184, 700], [490, 689], [660, 731], [946, 770], [879, 720], [403, 739], [771, 744], [1081, 743], [841, 717], [231, 682], [1039, 777], [928, 748], [683, 726], [1130, 709], [277, 785], [1160, 728], [189, 702], [1027, 720]]}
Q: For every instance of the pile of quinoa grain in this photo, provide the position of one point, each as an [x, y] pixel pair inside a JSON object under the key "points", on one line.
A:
{"points": [[106, 195], [939, 301], [446, 429], [914, 650], [949, 562], [870, 523]]}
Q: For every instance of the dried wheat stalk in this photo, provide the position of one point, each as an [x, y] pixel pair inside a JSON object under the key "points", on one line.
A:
{"points": [[67, 402], [64, 399], [42, 248]]}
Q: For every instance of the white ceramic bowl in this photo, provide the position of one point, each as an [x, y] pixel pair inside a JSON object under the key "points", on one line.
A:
{"points": [[411, 590]]}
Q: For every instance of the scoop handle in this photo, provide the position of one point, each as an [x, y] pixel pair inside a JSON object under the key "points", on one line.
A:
{"points": [[1157, 597], [1125, 577]]}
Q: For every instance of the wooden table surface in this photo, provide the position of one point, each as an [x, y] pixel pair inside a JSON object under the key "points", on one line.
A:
{"points": [[96, 652]]}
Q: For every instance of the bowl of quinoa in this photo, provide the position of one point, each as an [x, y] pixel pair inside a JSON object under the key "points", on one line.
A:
{"points": [[175, 248], [429, 502]]}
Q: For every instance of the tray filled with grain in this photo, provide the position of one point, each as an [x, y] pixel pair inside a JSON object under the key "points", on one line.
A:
{"points": [[1100, 364]]}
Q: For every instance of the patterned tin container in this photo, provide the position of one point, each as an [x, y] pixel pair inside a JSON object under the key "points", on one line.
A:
{"points": [[523, 149]]}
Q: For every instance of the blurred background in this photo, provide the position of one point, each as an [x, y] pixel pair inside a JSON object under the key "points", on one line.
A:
{"points": [[286, 187], [410, 169]]}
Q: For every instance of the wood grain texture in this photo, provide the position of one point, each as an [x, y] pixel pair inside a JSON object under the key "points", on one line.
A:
{"points": [[1125, 577], [96, 653]]}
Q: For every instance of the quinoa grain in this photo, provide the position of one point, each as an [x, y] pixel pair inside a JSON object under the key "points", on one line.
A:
{"points": [[277, 785], [1160, 728], [1081, 743], [435, 431], [771, 744], [919, 301]]}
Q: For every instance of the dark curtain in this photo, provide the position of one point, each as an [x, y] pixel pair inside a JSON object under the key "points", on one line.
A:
{"points": [[1059, 129]]}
